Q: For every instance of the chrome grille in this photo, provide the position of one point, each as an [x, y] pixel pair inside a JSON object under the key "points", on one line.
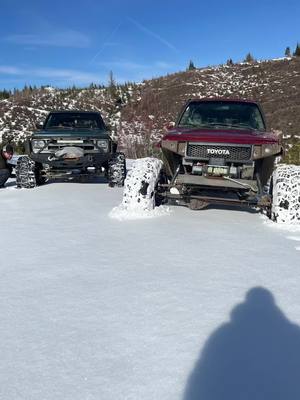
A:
{"points": [[236, 153]]}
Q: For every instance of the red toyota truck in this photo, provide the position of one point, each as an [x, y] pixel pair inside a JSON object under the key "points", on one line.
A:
{"points": [[218, 151]]}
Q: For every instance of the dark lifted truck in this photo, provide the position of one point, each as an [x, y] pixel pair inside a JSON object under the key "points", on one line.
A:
{"points": [[68, 144]]}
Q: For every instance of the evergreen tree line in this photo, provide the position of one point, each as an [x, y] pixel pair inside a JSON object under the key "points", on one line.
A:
{"points": [[5, 94], [296, 53], [250, 58], [111, 86]]}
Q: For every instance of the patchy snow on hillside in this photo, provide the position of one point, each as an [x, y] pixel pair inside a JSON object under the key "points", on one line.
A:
{"points": [[137, 113], [192, 305]]}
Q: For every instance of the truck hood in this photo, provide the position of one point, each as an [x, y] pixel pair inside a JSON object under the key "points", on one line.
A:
{"points": [[221, 136], [72, 133]]}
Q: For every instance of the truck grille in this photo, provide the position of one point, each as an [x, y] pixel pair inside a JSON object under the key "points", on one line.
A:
{"points": [[207, 151], [55, 145]]}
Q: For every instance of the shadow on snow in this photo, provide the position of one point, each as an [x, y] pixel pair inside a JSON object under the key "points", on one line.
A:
{"points": [[256, 356]]}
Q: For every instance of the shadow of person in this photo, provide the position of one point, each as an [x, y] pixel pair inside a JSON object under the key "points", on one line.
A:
{"points": [[255, 356]]}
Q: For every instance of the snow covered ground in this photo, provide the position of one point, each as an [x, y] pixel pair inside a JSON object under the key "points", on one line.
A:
{"points": [[190, 305]]}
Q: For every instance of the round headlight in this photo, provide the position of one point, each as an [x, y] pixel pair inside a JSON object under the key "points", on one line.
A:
{"points": [[103, 144], [37, 144]]}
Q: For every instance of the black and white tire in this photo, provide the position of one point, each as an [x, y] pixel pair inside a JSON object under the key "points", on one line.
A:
{"points": [[140, 184], [285, 188], [117, 170], [25, 173]]}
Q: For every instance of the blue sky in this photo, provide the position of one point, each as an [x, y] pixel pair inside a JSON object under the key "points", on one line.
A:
{"points": [[65, 42]]}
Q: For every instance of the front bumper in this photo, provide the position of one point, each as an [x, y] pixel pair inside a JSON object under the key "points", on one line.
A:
{"points": [[237, 192], [199, 182], [88, 160]]}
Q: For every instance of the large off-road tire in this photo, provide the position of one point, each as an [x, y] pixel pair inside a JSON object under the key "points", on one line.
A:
{"points": [[25, 173], [285, 191], [140, 184], [116, 170]]}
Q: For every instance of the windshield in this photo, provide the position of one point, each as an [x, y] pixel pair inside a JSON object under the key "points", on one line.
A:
{"points": [[74, 121], [218, 114]]}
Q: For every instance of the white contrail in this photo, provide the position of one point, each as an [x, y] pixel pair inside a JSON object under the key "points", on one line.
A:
{"points": [[150, 33], [108, 37]]}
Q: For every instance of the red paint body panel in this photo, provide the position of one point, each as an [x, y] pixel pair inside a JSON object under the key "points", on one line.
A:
{"points": [[221, 136]]}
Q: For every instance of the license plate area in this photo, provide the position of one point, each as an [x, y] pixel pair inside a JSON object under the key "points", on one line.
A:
{"points": [[217, 170], [69, 141]]}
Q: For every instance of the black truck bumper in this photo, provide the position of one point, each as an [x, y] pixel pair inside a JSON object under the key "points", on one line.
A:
{"points": [[88, 160]]}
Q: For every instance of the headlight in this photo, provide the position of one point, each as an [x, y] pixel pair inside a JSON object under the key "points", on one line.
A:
{"points": [[102, 144], [181, 148], [270, 149], [266, 150], [256, 152], [37, 145]]}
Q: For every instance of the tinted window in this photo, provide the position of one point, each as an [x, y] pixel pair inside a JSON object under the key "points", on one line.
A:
{"points": [[74, 121], [218, 114]]}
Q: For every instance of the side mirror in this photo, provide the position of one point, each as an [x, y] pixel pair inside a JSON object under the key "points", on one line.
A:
{"points": [[169, 125], [278, 133], [38, 126]]}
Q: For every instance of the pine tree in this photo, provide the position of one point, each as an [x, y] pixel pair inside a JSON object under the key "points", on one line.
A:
{"points": [[112, 88], [4, 94], [287, 52], [111, 80], [191, 66], [297, 51], [249, 58]]}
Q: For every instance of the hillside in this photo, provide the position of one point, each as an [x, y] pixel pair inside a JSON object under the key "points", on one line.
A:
{"points": [[138, 112]]}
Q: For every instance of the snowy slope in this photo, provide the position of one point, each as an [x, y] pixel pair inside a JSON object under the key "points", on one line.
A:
{"points": [[94, 308]]}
